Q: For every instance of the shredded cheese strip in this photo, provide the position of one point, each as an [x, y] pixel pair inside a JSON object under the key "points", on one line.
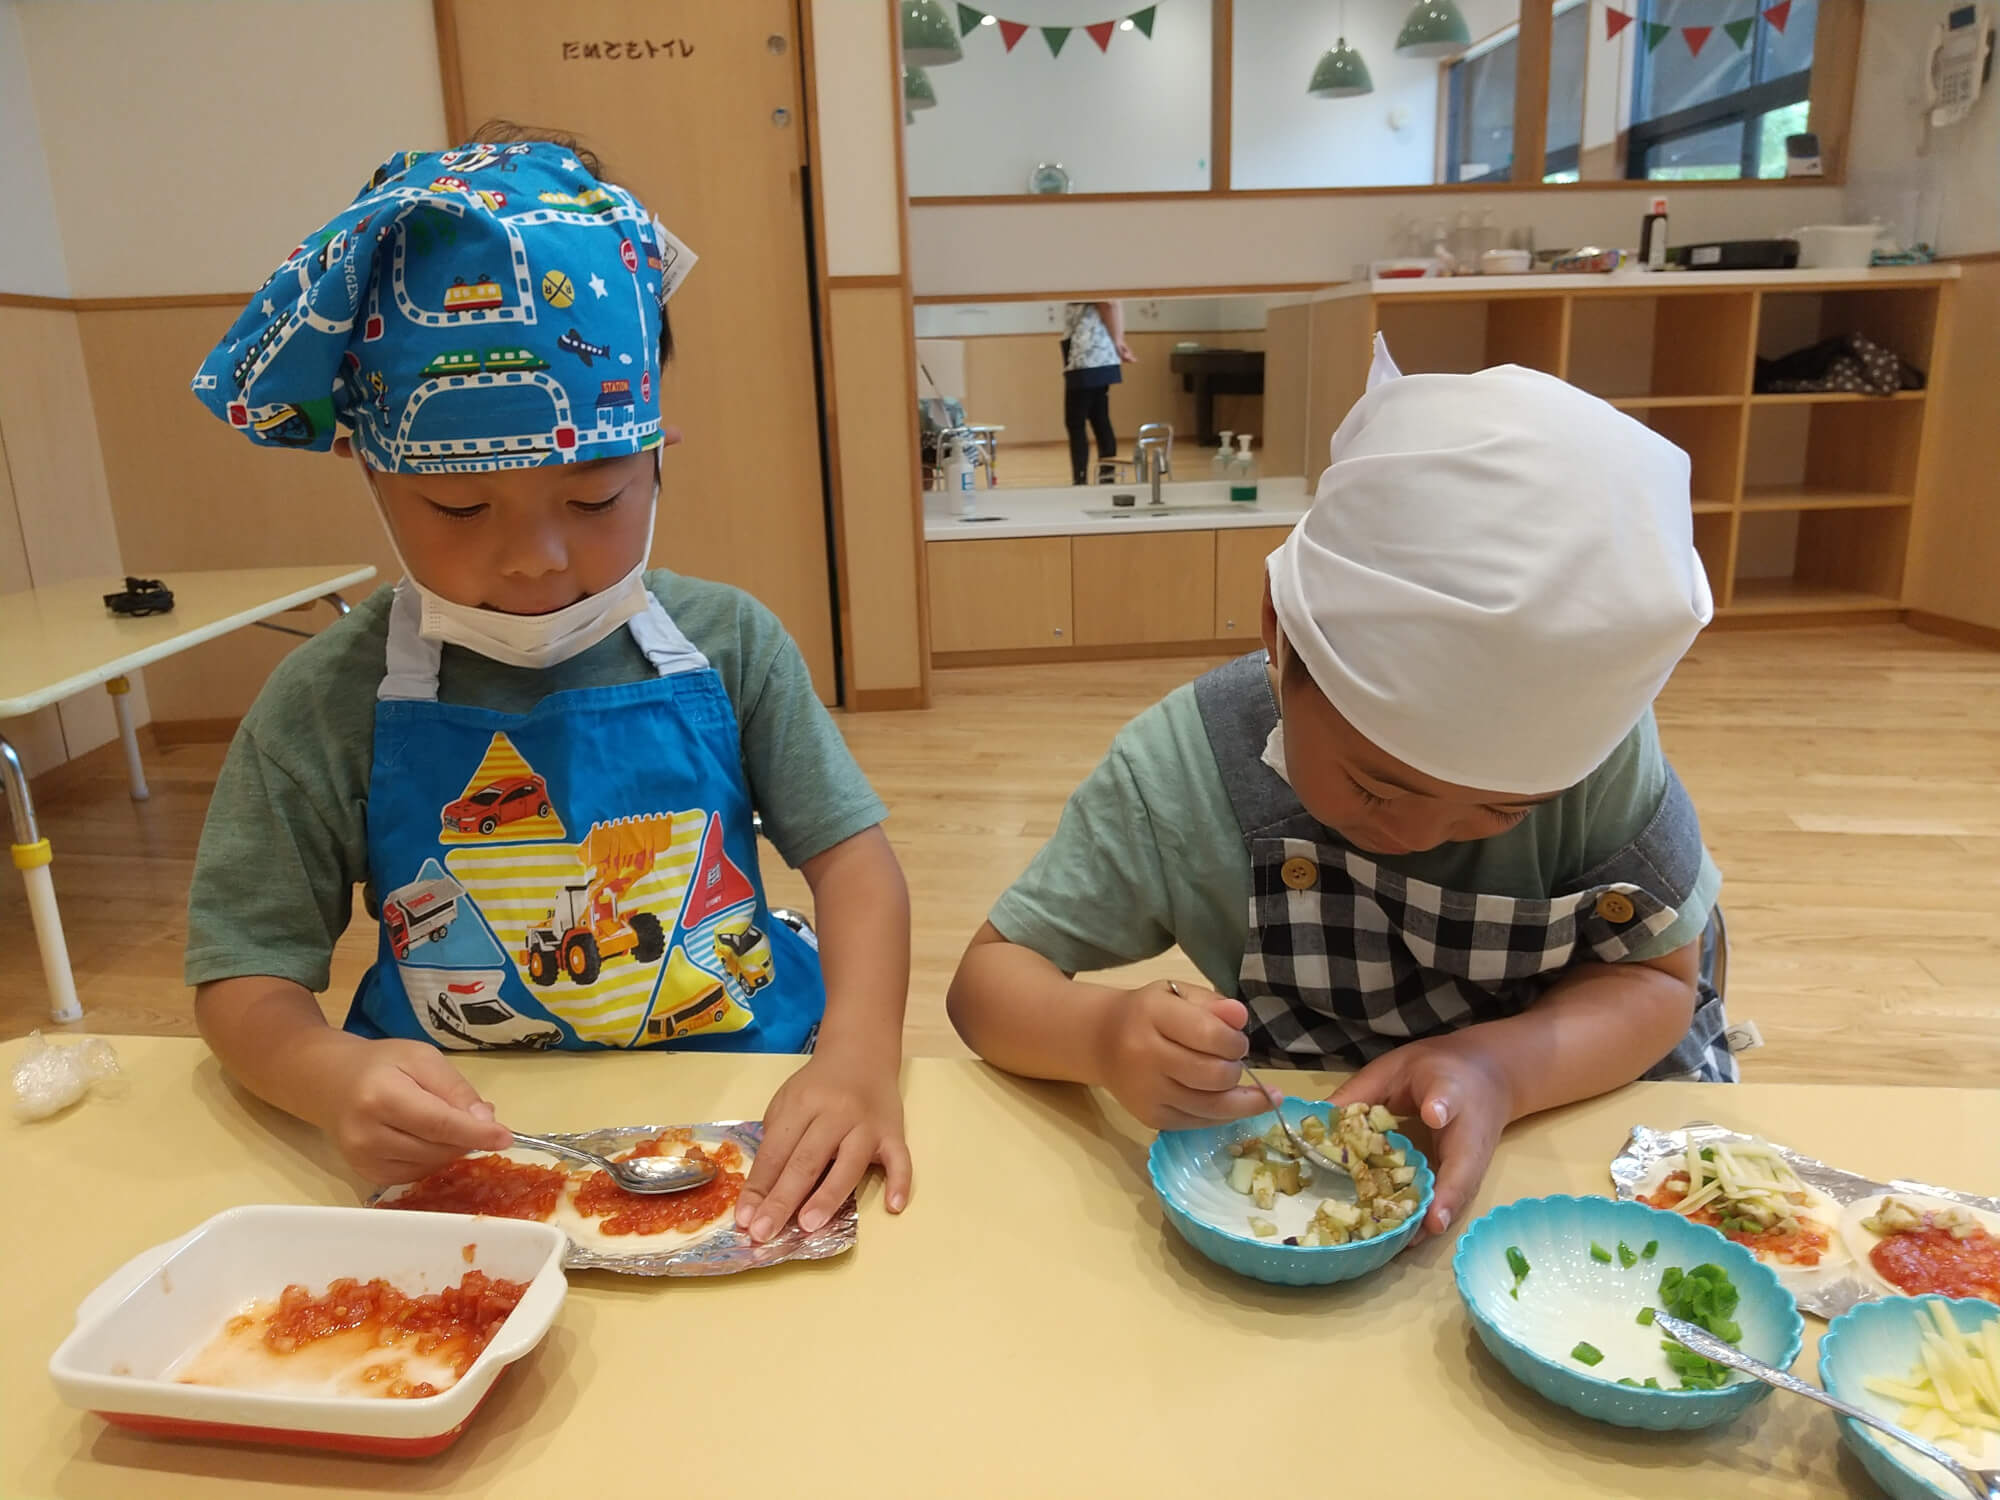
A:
{"points": [[1956, 1383]]}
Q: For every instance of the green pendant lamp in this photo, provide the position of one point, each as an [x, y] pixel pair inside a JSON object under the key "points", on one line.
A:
{"points": [[929, 38], [917, 91], [1433, 28], [1341, 73]]}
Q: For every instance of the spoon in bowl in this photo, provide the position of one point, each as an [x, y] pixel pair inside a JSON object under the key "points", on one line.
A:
{"points": [[642, 1174], [1311, 1153], [1983, 1483]]}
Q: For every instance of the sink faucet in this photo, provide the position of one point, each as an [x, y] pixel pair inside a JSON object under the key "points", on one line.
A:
{"points": [[1153, 456]]}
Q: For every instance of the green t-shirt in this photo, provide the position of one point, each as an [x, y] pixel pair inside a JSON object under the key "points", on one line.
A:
{"points": [[286, 840], [1149, 854]]}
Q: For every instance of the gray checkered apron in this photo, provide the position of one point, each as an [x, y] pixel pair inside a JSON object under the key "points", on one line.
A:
{"points": [[1347, 959]]}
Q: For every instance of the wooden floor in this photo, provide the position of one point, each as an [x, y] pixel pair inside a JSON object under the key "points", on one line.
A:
{"points": [[1848, 780]]}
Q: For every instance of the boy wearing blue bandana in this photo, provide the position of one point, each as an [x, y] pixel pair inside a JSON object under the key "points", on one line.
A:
{"points": [[540, 760]]}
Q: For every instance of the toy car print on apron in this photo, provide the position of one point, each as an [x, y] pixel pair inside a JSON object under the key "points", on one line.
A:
{"points": [[580, 876]]}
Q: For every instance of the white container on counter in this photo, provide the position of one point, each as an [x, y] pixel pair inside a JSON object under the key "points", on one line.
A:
{"points": [[1831, 246]]}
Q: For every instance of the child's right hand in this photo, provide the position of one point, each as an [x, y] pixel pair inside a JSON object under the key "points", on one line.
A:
{"points": [[1173, 1055], [398, 1110]]}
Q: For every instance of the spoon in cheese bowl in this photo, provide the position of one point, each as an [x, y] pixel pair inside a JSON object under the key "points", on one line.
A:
{"points": [[642, 1174]]}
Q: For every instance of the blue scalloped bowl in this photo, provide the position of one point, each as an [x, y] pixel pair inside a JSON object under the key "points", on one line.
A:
{"points": [[1883, 1339], [1569, 1297], [1188, 1168]]}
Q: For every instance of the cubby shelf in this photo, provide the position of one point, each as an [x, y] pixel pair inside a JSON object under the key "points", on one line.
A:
{"points": [[1803, 503]]}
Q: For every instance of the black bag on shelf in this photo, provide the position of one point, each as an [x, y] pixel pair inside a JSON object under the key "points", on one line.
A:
{"points": [[1846, 362]]}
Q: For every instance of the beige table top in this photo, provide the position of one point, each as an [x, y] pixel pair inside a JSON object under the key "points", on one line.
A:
{"points": [[1029, 1327], [60, 640]]}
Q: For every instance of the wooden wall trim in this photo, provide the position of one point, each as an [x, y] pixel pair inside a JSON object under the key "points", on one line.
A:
{"points": [[910, 386], [126, 304], [1246, 289], [1531, 90], [823, 304], [1836, 65], [857, 283], [1385, 190], [451, 78], [1221, 93], [887, 700], [1956, 630]]}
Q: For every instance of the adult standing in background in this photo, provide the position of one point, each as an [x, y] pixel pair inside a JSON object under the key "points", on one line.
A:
{"points": [[1093, 349]]}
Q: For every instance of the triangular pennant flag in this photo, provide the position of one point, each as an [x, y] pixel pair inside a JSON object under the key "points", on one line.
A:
{"points": [[969, 20], [1739, 31], [1780, 13], [1697, 38], [1101, 34], [1012, 32], [1143, 19], [1615, 21], [1656, 33], [1055, 36], [716, 884]]}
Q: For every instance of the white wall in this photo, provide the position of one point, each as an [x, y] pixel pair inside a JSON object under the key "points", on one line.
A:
{"points": [[1131, 119], [855, 91], [31, 257], [1282, 137], [972, 250], [949, 320], [1895, 158], [218, 126]]}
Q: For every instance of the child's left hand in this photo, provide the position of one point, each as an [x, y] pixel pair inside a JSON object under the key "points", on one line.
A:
{"points": [[1459, 1089], [838, 1115]]}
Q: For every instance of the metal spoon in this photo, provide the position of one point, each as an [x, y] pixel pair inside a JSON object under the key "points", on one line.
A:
{"points": [[643, 1174], [1318, 1158], [1983, 1483]]}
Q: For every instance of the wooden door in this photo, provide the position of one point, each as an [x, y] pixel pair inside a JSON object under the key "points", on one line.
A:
{"points": [[1239, 581], [705, 124], [1010, 595], [1143, 590]]}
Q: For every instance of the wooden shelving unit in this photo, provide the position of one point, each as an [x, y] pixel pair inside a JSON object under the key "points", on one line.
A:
{"points": [[1803, 505]]}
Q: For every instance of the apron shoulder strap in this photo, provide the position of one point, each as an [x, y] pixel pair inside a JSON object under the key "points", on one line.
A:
{"points": [[412, 660], [665, 644], [1238, 715]]}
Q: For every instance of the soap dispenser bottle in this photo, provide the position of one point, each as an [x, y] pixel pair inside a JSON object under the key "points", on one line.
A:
{"points": [[1219, 465], [1243, 470]]}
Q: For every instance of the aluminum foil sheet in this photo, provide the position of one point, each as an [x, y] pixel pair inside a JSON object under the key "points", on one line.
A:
{"points": [[1826, 1292], [721, 1253]]}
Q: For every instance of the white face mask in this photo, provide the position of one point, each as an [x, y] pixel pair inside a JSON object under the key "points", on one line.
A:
{"points": [[535, 641], [1274, 752]]}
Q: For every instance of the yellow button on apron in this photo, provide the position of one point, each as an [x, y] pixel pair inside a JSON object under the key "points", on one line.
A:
{"points": [[1299, 873], [1615, 907]]}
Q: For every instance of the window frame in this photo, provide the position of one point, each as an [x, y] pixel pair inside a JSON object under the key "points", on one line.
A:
{"points": [[1745, 105]]}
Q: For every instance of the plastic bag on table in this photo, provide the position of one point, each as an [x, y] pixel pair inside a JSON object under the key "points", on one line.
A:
{"points": [[51, 1076]]}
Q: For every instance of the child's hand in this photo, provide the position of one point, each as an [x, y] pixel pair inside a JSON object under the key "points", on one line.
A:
{"points": [[1458, 1089], [838, 1115], [1173, 1056], [397, 1109]]}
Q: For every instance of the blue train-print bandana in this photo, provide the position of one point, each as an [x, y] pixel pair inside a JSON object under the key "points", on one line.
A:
{"points": [[490, 307]]}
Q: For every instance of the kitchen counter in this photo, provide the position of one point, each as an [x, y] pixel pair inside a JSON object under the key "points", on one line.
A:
{"points": [[1640, 282], [1192, 505]]}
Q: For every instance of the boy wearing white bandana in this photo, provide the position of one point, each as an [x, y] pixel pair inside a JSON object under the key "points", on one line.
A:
{"points": [[541, 761], [1428, 834]]}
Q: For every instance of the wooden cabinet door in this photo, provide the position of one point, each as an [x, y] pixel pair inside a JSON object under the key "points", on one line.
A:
{"points": [[1239, 580], [704, 125], [1146, 589], [1011, 595]]}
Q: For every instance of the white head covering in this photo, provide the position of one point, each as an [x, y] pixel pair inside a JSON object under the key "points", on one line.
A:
{"points": [[1496, 577]]}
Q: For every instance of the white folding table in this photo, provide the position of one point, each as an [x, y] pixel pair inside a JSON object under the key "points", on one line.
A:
{"points": [[57, 642]]}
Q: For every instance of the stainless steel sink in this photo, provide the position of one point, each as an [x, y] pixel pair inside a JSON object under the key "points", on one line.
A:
{"points": [[1135, 512]]}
